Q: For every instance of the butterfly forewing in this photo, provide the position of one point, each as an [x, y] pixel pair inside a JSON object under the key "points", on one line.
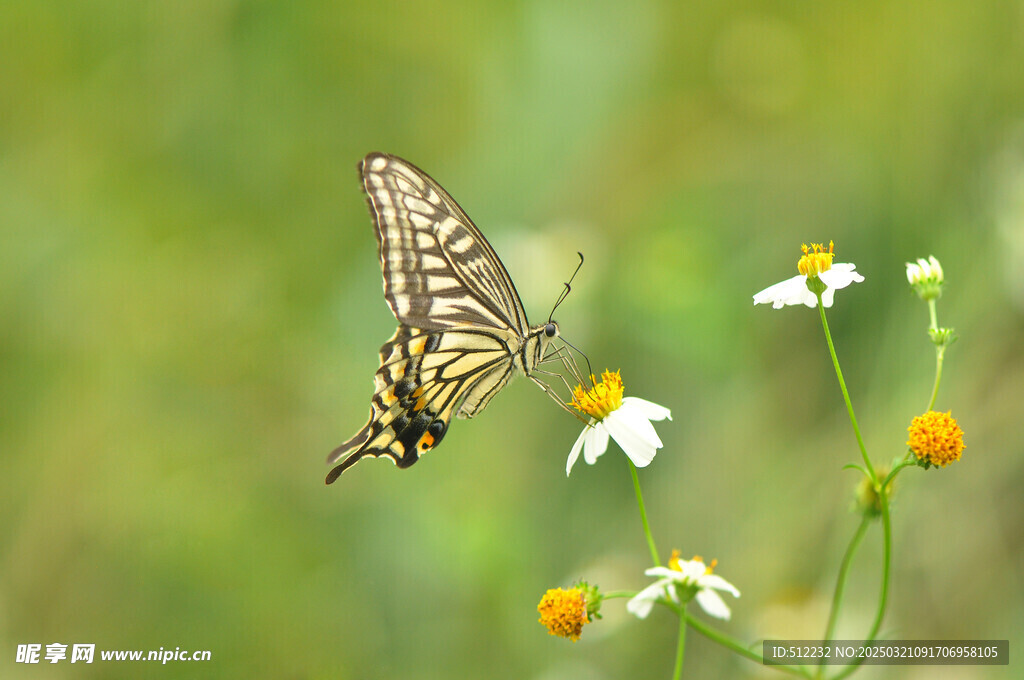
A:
{"points": [[438, 269], [462, 330]]}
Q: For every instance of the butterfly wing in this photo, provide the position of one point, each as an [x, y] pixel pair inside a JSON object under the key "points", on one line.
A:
{"points": [[461, 320], [425, 377], [439, 271]]}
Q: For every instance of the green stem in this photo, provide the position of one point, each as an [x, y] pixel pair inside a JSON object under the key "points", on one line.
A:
{"points": [[908, 461], [883, 597], [716, 635], [729, 643], [681, 645], [940, 351], [844, 570], [643, 514], [846, 394], [616, 594]]}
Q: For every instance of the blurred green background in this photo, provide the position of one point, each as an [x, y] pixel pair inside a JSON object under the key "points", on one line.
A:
{"points": [[191, 310]]}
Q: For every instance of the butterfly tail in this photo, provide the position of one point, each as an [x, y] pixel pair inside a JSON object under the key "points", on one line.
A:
{"points": [[353, 457]]}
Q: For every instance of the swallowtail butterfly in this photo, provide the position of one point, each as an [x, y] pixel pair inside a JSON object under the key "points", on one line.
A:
{"points": [[462, 332]]}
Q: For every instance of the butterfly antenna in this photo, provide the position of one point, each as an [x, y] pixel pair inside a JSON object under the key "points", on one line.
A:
{"points": [[568, 288]]}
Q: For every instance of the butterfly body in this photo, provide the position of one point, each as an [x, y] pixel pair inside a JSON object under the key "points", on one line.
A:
{"points": [[462, 334]]}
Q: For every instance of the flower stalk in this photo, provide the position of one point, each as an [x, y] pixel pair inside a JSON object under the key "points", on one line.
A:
{"points": [[680, 645], [844, 571], [846, 394], [883, 596], [643, 514]]}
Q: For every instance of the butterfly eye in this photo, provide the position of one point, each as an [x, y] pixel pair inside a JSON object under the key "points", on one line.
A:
{"points": [[551, 330]]}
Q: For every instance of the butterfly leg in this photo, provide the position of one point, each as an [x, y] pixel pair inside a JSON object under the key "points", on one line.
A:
{"points": [[569, 364], [554, 395], [561, 377]]}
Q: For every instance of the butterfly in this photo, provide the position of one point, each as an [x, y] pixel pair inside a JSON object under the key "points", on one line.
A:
{"points": [[462, 332]]}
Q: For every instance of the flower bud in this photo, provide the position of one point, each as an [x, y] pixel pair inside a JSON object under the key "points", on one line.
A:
{"points": [[926, 277]]}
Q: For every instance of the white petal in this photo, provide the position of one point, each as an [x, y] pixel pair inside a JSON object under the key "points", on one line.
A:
{"points": [[640, 608], [663, 572], [642, 603], [809, 299], [781, 292], [801, 295], [826, 298], [789, 292], [630, 416], [712, 603], [840, 275], [575, 452], [718, 583], [596, 443], [634, 444], [650, 410]]}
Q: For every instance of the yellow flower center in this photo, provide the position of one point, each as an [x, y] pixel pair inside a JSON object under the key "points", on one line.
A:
{"points": [[816, 259], [602, 398], [936, 437], [564, 612], [673, 562]]}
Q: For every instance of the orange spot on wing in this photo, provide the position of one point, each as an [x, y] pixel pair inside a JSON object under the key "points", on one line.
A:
{"points": [[417, 346], [426, 441]]}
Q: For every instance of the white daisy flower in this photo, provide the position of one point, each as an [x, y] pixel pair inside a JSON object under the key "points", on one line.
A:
{"points": [[682, 581], [815, 265], [626, 420]]}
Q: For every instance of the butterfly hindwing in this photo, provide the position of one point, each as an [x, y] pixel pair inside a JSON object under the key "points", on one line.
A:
{"points": [[425, 377]]}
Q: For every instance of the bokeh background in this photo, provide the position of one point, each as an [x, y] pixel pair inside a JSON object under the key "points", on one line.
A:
{"points": [[191, 309]]}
